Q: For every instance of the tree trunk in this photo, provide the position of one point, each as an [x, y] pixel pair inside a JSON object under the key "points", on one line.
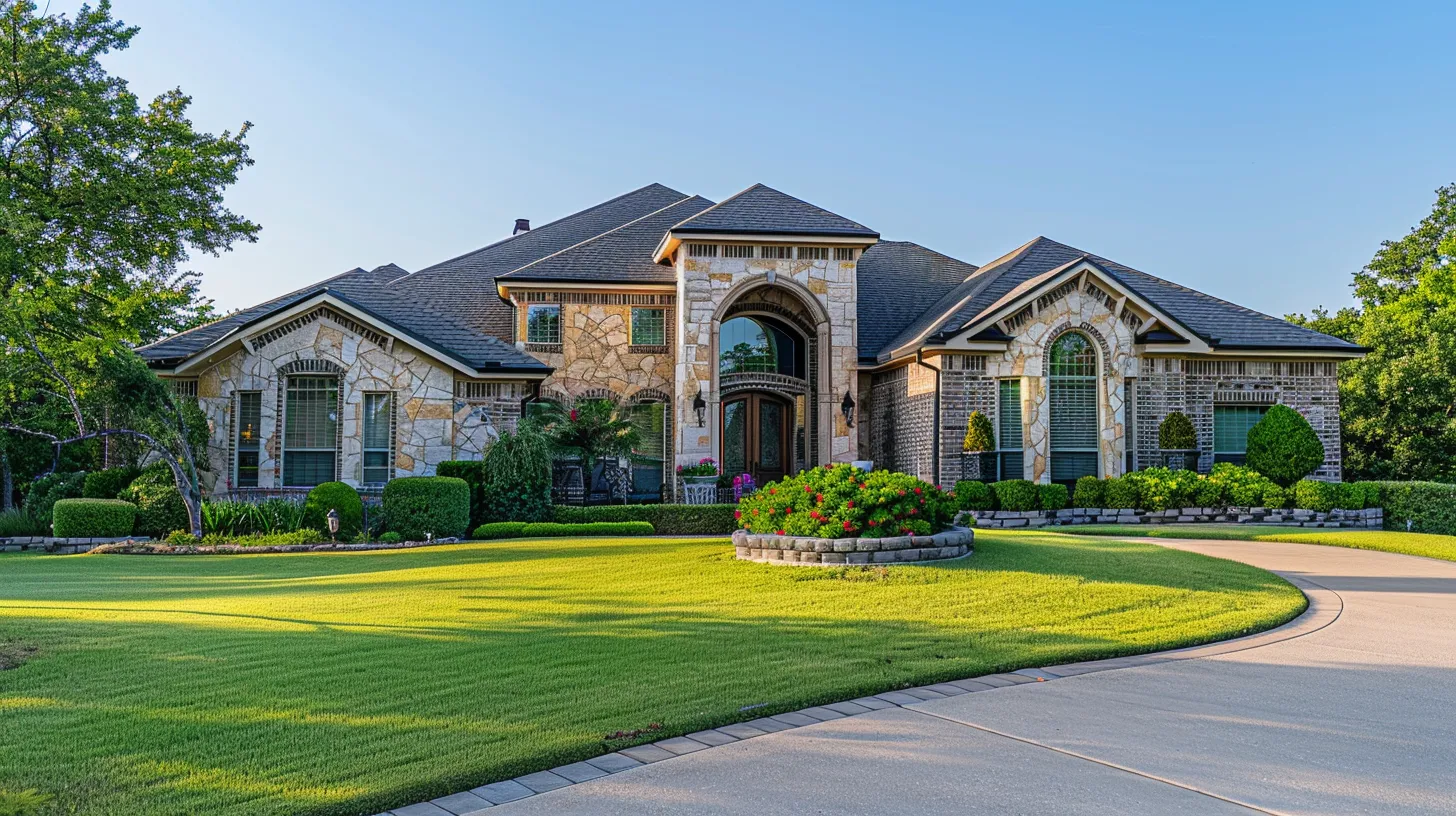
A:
{"points": [[7, 483]]}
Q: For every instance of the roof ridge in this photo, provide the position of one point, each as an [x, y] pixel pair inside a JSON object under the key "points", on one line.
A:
{"points": [[546, 225], [599, 236]]}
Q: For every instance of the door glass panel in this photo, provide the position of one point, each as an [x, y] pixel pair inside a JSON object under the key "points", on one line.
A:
{"points": [[735, 437], [770, 435]]}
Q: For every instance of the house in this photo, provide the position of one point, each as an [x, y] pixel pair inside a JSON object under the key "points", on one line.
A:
{"points": [[762, 331]]}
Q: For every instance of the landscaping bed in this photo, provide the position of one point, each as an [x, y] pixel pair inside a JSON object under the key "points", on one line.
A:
{"points": [[1372, 517]]}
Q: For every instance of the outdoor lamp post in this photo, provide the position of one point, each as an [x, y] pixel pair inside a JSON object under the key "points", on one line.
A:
{"points": [[848, 408], [700, 407], [333, 518]]}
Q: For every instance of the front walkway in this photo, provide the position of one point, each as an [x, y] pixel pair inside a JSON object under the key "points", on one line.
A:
{"points": [[1347, 710]]}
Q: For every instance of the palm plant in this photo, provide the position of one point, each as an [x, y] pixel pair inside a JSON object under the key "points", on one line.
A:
{"points": [[590, 430]]}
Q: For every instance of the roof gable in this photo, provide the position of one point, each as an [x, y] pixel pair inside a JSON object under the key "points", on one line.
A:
{"points": [[621, 255], [762, 210]]}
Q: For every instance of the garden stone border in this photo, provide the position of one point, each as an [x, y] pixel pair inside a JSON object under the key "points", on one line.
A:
{"points": [[62, 546], [838, 552], [1369, 518]]}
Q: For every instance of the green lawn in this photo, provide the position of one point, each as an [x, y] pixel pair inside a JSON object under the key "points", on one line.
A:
{"points": [[1429, 545], [347, 683]]}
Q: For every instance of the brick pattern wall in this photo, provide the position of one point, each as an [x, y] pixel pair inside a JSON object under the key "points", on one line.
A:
{"points": [[964, 387], [902, 411]]}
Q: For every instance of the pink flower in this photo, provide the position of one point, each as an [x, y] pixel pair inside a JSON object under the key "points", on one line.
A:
{"points": [[738, 514], [573, 414]]}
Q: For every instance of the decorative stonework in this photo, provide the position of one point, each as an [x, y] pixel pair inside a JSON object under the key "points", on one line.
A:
{"points": [[595, 353], [838, 552]]}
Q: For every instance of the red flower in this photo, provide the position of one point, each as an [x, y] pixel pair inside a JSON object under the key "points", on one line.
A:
{"points": [[912, 511], [846, 525], [788, 510], [773, 491], [808, 489], [770, 511], [917, 491], [819, 497], [849, 504], [755, 511], [902, 492], [873, 522], [573, 414], [738, 514], [780, 532]]}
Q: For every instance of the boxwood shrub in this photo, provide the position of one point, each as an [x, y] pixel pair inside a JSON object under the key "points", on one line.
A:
{"points": [[93, 518], [1430, 507], [334, 496], [1283, 446], [666, 519], [1176, 432], [1320, 497], [108, 484], [1088, 492], [499, 529], [973, 495], [160, 509], [417, 505], [842, 501], [1016, 495], [473, 472], [1053, 496], [1122, 493]]}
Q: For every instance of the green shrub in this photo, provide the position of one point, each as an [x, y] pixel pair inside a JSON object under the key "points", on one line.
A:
{"points": [[473, 472], [417, 505], [1283, 446], [108, 484], [551, 529], [972, 495], [1276, 497], [666, 519], [19, 523], [842, 501], [391, 538], [499, 529], [1369, 494], [517, 477], [23, 803], [160, 509], [334, 496], [1053, 496], [1317, 496], [1176, 432], [1016, 495], [1208, 493], [1161, 488], [980, 436], [1241, 486], [49, 489], [93, 518], [1088, 492], [307, 535], [1430, 507], [1349, 496], [1122, 493]]}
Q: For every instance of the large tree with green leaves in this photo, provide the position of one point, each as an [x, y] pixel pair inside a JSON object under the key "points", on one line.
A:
{"points": [[102, 199], [1398, 404]]}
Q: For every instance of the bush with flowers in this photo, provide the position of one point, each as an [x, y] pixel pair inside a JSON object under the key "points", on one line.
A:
{"points": [[842, 501], [707, 466]]}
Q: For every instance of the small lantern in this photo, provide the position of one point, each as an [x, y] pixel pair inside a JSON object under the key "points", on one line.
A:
{"points": [[700, 407], [848, 408], [333, 519]]}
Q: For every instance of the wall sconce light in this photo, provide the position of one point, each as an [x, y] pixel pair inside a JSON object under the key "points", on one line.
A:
{"points": [[700, 407], [848, 408]]}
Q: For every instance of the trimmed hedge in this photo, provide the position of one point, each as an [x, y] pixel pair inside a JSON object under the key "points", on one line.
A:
{"points": [[1088, 493], [1053, 496], [1016, 495], [93, 518], [334, 496], [551, 529], [666, 519], [417, 505], [499, 529], [973, 495], [108, 484], [1122, 493], [1430, 507], [473, 472]]}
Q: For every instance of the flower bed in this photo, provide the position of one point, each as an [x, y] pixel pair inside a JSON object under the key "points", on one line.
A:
{"points": [[842, 501]]}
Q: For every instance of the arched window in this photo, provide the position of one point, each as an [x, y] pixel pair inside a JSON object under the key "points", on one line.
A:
{"points": [[751, 344], [1072, 393]]}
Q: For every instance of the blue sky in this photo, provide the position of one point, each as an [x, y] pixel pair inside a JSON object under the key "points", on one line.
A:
{"points": [[1255, 151]]}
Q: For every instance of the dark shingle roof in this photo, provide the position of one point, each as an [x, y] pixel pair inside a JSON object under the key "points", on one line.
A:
{"points": [[761, 210], [897, 279], [623, 255], [1217, 322]]}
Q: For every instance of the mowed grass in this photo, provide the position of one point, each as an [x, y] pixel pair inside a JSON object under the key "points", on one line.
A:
{"points": [[349, 683], [1429, 545]]}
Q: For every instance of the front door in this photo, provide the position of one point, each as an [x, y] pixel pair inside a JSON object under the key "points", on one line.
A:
{"points": [[755, 437]]}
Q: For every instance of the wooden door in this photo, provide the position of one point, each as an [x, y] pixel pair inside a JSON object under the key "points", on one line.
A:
{"points": [[755, 436]]}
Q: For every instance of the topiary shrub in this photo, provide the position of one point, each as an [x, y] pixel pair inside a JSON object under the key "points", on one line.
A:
{"points": [[1176, 432], [93, 518], [420, 505], [160, 509], [1017, 495], [1283, 446], [980, 436], [1122, 493], [108, 484], [1317, 496], [499, 529], [842, 501], [334, 496], [473, 472], [973, 495], [667, 519], [1053, 496], [51, 488], [1088, 492]]}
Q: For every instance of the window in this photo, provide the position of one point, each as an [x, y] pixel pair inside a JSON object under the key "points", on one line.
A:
{"points": [[1072, 392], [310, 431], [649, 327], [702, 250], [761, 345], [777, 253], [1231, 424], [737, 251], [649, 463], [378, 411], [250, 425], [844, 253], [813, 253], [543, 323], [1008, 432]]}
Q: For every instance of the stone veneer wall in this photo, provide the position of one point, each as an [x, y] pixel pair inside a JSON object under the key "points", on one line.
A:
{"points": [[596, 354], [431, 426]]}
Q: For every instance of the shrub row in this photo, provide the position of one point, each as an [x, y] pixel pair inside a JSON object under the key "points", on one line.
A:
{"points": [[666, 519], [1430, 507], [93, 518], [1011, 494], [551, 529]]}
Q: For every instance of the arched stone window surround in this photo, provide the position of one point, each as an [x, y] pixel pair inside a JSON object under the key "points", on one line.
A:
{"points": [[308, 366], [1043, 396]]}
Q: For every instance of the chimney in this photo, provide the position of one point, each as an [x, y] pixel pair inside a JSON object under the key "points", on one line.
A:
{"points": [[522, 225]]}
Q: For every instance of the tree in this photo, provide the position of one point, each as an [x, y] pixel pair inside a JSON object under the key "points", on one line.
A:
{"points": [[594, 428], [1283, 446], [1398, 404], [101, 200]]}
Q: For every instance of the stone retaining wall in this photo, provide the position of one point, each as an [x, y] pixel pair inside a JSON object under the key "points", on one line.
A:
{"points": [[1371, 518], [828, 552], [61, 546]]}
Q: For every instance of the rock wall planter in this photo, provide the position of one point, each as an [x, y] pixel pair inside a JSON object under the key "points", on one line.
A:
{"points": [[61, 546], [837, 552], [978, 466], [1370, 518]]}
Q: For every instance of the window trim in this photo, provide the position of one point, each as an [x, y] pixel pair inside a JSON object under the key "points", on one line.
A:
{"points": [[556, 307], [365, 449], [1260, 407], [637, 346]]}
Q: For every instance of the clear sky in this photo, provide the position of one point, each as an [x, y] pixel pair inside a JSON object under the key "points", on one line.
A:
{"points": [[1255, 151]]}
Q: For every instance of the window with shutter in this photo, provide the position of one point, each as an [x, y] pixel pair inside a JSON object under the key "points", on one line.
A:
{"points": [[1072, 393]]}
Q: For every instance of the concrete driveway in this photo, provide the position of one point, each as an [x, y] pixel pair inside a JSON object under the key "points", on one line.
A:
{"points": [[1351, 709]]}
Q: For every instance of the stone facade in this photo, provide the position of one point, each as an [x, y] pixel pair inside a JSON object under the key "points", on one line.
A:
{"points": [[597, 355]]}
